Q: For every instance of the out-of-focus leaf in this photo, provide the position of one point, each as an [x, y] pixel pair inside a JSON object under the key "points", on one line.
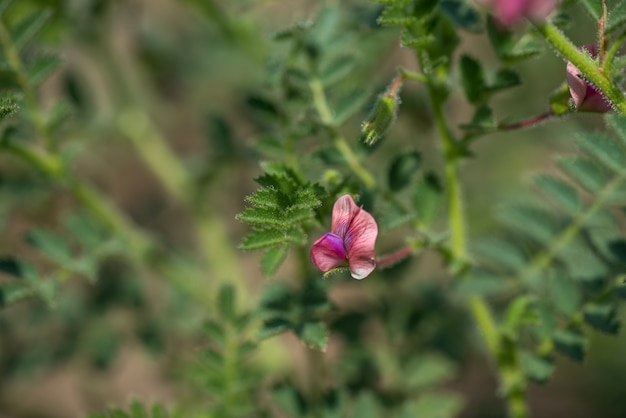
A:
{"points": [[462, 14], [272, 259], [313, 334], [403, 168]]}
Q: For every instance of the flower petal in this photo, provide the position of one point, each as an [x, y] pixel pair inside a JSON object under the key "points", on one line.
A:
{"points": [[343, 212], [360, 242], [328, 252]]}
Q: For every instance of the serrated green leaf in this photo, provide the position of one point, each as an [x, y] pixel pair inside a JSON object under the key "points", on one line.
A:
{"points": [[565, 295], [306, 199], [411, 40], [427, 371], [584, 172], [537, 368], [560, 192], [604, 149], [262, 238], [602, 317], [26, 29], [571, 342], [472, 79], [403, 169], [313, 334], [396, 15], [8, 106], [262, 216], [269, 198], [463, 14], [500, 253], [272, 260]]}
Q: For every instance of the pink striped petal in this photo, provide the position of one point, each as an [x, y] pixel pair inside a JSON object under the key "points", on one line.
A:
{"points": [[328, 252], [360, 242], [343, 213]]}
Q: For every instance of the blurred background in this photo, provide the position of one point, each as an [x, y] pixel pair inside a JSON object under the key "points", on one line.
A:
{"points": [[186, 72]]}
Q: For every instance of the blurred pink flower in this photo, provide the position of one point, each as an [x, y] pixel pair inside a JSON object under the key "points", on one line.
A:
{"points": [[351, 242], [510, 12], [585, 95]]}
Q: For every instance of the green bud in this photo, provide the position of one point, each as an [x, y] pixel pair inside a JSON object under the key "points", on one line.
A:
{"points": [[383, 114]]}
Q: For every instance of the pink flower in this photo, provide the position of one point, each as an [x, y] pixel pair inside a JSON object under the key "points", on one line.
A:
{"points": [[510, 12], [585, 95], [351, 242]]}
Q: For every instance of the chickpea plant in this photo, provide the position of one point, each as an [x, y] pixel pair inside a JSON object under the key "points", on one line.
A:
{"points": [[325, 207]]}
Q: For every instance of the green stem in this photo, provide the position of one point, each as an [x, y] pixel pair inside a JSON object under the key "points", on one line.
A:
{"points": [[326, 116], [17, 66], [486, 324], [587, 66]]}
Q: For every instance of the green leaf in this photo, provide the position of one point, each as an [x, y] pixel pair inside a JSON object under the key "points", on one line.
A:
{"points": [[411, 40], [480, 283], [262, 238], [517, 315], [505, 79], [273, 326], [472, 79], [8, 106], [571, 342], [366, 406], [602, 317], [560, 192], [4, 4], [617, 17], [51, 245], [41, 68], [462, 14], [349, 104], [585, 172], [565, 295], [618, 125], [313, 334], [507, 47], [500, 253], [403, 169], [482, 121], [396, 15], [533, 222], [215, 331], [25, 30], [427, 198], [269, 198], [287, 399], [338, 69], [427, 371], [272, 260], [14, 292], [226, 302], [594, 7], [438, 405], [537, 368], [604, 149]]}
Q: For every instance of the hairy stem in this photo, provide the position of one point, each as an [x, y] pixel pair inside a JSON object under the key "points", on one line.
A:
{"points": [[587, 66], [456, 218], [326, 116]]}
